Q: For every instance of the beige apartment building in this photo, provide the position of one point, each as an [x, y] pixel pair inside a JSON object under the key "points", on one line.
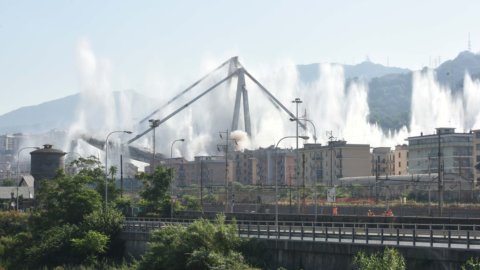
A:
{"points": [[325, 164], [262, 166], [398, 160], [203, 170]]}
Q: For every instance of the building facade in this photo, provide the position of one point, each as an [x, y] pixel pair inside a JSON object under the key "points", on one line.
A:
{"points": [[325, 164], [398, 160], [380, 161], [455, 151], [476, 156]]}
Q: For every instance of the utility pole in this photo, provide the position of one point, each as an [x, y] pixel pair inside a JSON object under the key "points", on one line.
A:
{"points": [[121, 176], [440, 176], [225, 146], [330, 144], [376, 178], [201, 184], [154, 123]]}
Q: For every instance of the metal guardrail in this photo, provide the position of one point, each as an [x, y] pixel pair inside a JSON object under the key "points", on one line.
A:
{"points": [[432, 235]]}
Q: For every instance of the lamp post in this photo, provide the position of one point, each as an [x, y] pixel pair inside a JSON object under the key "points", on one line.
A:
{"points": [[276, 181], [106, 161], [309, 121], [171, 186], [315, 140], [18, 167], [297, 171]]}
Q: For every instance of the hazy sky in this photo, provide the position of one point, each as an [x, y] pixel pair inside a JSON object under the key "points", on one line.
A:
{"points": [[144, 41]]}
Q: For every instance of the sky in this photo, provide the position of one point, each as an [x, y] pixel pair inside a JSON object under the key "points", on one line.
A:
{"points": [[148, 45]]}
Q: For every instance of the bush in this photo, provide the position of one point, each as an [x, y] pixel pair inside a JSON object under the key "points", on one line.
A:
{"points": [[391, 259], [201, 245], [471, 264]]}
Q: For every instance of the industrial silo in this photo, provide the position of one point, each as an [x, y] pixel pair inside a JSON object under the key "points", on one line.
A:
{"points": [[45, 163]]}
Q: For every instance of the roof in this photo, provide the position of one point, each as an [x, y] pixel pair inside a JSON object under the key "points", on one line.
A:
{"points": [[26, 192], [47, 149], [27, 180]]}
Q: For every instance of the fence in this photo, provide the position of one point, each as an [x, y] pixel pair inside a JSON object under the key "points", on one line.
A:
{"points": [[462, 236]]}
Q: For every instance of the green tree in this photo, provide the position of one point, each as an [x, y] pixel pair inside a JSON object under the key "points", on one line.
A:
{"points": [[66, 199], [155, 196], [390, 259], [471, 264], [91, 245], [12, 222], [201, 245], [69, 225], [8, 183]]}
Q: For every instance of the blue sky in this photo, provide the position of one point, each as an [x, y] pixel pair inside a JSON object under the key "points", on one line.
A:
{"points": [[142, 39]]}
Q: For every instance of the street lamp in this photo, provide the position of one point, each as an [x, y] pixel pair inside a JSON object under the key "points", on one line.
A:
{"points": [[276, 181], [297, 170], [315, 140], [18, 167], [171, 147], [171, 186], [106, 161], [309, 121]]}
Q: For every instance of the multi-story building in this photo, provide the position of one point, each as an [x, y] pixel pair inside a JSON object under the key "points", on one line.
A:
{"points": [[380, 159], [246, 167], [203, 170], [274, 164], [8, 144], [456, 152], [398, 160], [326, 164], [476, 156]]}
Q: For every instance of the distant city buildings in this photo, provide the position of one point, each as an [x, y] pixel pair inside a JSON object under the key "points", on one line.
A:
{"points": [[316, 163]]}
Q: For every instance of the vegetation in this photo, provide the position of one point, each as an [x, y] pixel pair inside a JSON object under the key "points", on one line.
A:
{"points": [[68, 228], [390, 259], [201, 245], [472, 264], [155, 193]]}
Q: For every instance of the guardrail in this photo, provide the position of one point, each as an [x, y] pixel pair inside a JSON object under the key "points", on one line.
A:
{"points": [[434, 235]]}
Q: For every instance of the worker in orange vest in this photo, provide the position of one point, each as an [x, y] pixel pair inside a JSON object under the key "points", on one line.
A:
{"points": [[334, 210]]}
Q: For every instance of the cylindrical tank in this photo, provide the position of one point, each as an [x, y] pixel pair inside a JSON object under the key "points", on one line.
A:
{"points": [[45, 163]]}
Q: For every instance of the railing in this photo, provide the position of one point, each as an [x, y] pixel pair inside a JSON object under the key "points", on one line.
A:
{"points": [[433, 235]]}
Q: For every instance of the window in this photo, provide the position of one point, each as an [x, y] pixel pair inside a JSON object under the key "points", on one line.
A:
{"points": [[399, 154], [399, 164]]}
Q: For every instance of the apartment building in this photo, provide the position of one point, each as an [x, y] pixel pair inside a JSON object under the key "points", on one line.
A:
{"points": [[325, 164], [456, 153]]}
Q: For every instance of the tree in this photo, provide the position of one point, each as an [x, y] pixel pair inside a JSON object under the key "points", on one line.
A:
{"points": [[66, 199], [92, 170], [8, 183], [201, 245], [471, 264], [391, 259], [91, 245], [155, 197]]}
